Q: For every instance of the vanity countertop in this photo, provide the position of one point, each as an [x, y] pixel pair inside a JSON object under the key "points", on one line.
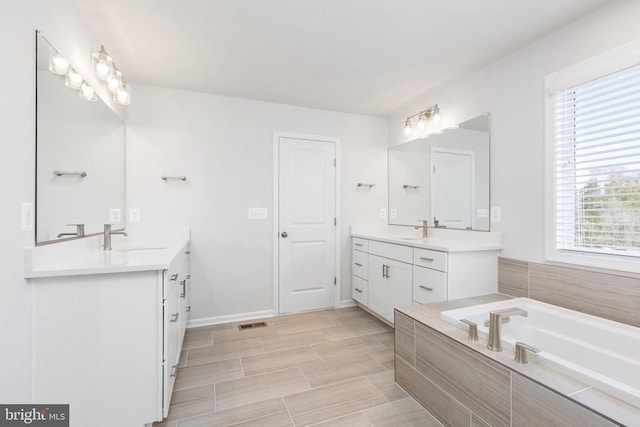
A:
{"points": [[85, 256], [439, 241]]}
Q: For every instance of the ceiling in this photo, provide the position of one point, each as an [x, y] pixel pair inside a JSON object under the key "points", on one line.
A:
{"points": [[359, 56]]}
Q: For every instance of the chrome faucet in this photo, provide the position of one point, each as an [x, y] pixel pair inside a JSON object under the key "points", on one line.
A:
{"points": [[424, 228], [495, 321], [79, 231], [107, 236]]}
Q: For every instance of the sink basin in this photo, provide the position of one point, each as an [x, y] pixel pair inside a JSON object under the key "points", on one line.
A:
{"points": [[141, 248], [409, 238]]}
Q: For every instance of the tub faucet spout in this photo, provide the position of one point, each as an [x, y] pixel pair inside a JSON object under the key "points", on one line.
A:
{"points": [[495, 320]]}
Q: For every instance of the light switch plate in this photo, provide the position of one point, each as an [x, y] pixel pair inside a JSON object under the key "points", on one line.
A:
{"points": [[482, 213], [383, 213], [115, 215], [27, 216], [134, 215], [257, 213], [496, 214], [394, 213]]}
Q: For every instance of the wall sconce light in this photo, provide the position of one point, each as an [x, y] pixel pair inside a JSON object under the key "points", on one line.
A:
{"points": [[72, 79], [57, 64], [106, 70], [431, 114]]}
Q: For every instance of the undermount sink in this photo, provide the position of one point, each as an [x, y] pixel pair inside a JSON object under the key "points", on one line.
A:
{"points": [[410, 238], [141, 248]]}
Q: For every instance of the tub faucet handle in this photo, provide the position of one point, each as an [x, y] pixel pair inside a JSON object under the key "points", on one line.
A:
{"points": [[520, 355], [473, 329]]}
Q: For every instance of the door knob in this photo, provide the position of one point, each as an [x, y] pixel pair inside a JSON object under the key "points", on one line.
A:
{"points": [[284, 235]]}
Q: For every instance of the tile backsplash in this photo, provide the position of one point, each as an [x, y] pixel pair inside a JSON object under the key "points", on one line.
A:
{"points": [[610, 295]]}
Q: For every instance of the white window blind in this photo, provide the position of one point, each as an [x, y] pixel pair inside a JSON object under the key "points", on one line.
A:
{"points": [[597, 165]]}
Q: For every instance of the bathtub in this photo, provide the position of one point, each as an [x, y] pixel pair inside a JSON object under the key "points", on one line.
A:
{"points": [[602, 353]]}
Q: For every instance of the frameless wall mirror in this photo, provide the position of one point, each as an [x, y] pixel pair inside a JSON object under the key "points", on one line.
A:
{"points": [[443, 178], [80, 155]]}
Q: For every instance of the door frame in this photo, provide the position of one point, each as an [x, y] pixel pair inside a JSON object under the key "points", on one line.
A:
{"points": [[276, 213], [472, 155]]}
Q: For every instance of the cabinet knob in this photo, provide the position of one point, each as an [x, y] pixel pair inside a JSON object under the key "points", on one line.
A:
{"points": [[284, 235]]}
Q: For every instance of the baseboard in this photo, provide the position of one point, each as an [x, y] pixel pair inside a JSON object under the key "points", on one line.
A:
{"points": [[217, 320], [347, 303]]}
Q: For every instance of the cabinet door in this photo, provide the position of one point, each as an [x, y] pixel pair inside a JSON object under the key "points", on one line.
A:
{"points": [[171, 344], [400, 286], [378, 296]]}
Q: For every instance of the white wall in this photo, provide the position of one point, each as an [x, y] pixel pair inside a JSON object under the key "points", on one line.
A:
{"points": [[225, 148], [18, 22], [512, 91]]}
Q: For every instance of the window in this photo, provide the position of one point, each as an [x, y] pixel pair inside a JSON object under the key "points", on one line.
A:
{"points": [[594, 169]]}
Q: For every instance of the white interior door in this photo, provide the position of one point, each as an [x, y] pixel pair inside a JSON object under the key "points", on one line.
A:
{"points": [[452, 187], [307, 212]]}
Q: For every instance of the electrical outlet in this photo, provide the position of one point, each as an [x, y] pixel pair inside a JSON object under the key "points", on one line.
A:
{"points": [[496, 214], [134, 215], [482, 213], [115, 215], [394, 213], [27, 216], [257, 213], [383, 213]]}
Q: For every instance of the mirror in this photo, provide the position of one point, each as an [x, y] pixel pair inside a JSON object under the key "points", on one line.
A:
{"points": [[443, 177], [79, 158]]}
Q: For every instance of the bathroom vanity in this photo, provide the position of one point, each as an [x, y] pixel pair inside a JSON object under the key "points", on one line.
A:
{"points": [[390, 271], [109, 326]]}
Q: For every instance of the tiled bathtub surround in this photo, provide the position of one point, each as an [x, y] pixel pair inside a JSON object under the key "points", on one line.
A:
{"points": [[611, 295], [463, 383]]}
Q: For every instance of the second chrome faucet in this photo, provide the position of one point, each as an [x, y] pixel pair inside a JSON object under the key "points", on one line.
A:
{"points": [[107, 236], [495, 321]]}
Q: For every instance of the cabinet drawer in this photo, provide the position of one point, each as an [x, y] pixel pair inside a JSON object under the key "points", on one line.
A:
{"points": [[389, 250], [432, 259], [360, 244], [360, 290], [360, 264], [429, 285]]}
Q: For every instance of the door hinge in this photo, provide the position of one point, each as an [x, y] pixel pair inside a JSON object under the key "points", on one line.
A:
{"points": [[335, 281]]}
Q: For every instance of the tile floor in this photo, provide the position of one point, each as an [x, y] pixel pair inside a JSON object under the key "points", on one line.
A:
{"points": [[323, 368]]}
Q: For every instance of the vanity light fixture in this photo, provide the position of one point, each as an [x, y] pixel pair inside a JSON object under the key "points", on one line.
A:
{"points": [[87, 92], [73, 79], [431, 114], [106, 70], [58, 64]]}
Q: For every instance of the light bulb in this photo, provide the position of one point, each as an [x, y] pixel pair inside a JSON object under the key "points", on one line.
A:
{"points": [[102, 63], [87, 93], [435, 118], [407, 128], [114, 81], [122, 95], [422, 122], [73, 80], [57, 64]]}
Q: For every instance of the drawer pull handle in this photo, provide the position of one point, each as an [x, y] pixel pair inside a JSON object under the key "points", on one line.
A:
{"points": [[183, 283], [174, 277], [358, 264], [174, 317], [358, 290], [174, 370], [427, 259], [188, 309], [359, 244], [426, 288]]}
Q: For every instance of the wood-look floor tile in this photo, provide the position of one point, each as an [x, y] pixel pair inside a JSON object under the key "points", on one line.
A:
{"points": [[193, 393], [324, 403], [209, 328], [299, 317], [230, 394], [356, 419], [183, 359], [277, 360], [405, 412], [350, 330], [197, 339], [385, 338], [340, 369], [348, 317], [191, 408], [166, 424], [236, 334], [221, 351], [386, 384], [305, 324], [279, 419], [209, 373], [298, 339], [476, 421], [347, 347], [384, 357], [236, 415]]}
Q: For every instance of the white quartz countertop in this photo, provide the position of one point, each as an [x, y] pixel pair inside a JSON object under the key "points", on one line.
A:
{"points": [[439, 242], [81, 258]]}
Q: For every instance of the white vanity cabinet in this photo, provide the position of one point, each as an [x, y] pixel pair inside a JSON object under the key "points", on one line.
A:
{"points": [[108, 342], [401, 274]]}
